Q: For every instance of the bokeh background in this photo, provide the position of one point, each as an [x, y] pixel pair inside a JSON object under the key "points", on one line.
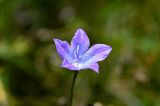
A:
{"points": [[29, 64]]}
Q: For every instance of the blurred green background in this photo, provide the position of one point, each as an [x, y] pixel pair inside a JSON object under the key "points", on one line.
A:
{"points": [[29, 64]]}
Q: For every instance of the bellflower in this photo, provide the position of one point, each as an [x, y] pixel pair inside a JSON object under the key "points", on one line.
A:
{"points": [[78, 55]]}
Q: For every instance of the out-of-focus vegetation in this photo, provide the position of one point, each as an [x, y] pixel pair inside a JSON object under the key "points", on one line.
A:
{"points": [[29, 65]]}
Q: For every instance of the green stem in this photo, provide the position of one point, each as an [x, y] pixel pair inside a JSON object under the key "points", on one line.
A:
{"points": [[72, 88]]}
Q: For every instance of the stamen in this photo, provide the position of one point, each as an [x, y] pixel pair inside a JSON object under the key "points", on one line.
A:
{"points": [[77, 48], [77, 64]]}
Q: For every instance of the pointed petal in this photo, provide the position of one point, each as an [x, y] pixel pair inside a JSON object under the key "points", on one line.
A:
{"points": [[97, 52], [80, 42], [67, 65], [63, 49], [94, 67]]}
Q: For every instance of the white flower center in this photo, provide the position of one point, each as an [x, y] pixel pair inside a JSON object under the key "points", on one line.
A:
{"points": [[76, 64]]}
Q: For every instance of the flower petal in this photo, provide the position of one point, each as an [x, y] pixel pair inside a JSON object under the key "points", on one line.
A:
{"points": [[63, 49], [67, 65], [94, 67], [80, 42], [97, 52]]}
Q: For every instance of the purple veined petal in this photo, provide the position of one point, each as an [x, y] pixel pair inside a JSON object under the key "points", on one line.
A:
{"points": [[97, 52], [67, 65], [63, 49], [94, 67], [80, 42]]}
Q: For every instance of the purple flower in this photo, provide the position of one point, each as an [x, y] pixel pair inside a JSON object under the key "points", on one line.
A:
{"points": [[78, 55]]}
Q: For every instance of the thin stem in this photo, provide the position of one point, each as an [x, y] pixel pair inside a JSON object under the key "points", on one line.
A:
{"points": [[72, 88]]}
